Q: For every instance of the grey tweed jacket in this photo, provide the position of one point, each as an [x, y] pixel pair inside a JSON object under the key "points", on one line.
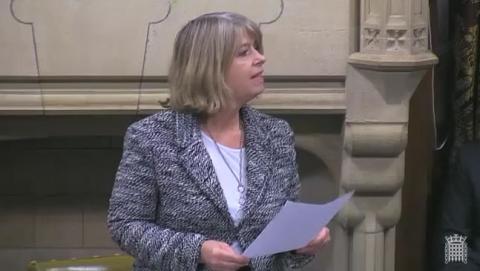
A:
{"points": [[166, 199]]}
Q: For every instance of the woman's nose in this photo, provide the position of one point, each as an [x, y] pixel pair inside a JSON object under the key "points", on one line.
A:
{"points": [[260, 59]]}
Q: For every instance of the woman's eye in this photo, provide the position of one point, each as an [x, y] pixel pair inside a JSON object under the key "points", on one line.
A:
{"points": [[243, 52]]}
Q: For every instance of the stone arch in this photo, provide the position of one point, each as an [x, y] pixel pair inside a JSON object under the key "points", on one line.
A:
{"points": [[318, 184]]}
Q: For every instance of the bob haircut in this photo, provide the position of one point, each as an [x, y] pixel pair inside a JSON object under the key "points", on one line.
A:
{"points": [[203, 51]]}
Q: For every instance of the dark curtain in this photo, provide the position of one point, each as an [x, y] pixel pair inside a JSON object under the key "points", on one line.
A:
{"points": [[463, 109], [457, 87], [465, 93]]}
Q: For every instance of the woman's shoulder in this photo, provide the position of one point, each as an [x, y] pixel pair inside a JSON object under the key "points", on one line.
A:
{"points": [[272, 125], [160, 124], [157, 120]]}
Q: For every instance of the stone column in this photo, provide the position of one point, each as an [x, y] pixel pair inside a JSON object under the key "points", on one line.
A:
{"points": [[381, 79]]}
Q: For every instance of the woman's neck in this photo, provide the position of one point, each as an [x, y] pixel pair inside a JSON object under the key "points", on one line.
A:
{"points": [[225, 128]]}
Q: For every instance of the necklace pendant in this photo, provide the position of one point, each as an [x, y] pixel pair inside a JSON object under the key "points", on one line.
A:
{"points": [[241, 188], [242, 201]]}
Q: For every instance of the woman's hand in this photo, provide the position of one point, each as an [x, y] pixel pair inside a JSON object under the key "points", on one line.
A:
{"points": [[219, 256], [322, 238]]}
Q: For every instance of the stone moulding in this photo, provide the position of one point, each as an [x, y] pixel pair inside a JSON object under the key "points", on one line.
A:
{"points": [[393, 62], [53, 97]]}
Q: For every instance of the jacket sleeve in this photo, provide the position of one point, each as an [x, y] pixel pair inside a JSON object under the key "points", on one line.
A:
{"points": [[289, 174], [132, 213], [457, 208]]}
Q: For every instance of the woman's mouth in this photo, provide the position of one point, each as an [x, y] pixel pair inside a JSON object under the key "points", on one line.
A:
{"points": [[258, 76]]}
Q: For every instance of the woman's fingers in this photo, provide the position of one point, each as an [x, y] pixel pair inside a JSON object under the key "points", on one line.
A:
{"points": [[220, 256], [235, 258], [232, 256], [322, 238]]}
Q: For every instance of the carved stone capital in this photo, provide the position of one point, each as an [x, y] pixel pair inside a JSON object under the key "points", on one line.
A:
{"points": [[394, 27]]}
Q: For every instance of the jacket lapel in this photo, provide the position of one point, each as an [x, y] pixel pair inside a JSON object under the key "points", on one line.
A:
{"points": [[258, 163], [197, 162]]}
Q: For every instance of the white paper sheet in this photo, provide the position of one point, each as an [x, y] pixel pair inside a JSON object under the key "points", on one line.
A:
{"points": [[294, 226]]}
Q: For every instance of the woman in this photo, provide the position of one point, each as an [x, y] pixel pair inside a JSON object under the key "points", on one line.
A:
{"points": [[197, 183]]}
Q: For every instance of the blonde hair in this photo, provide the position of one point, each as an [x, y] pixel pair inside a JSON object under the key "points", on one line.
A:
{"points": [[203, 51]]}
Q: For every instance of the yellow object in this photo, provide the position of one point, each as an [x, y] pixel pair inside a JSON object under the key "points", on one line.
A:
{"points": [[96, 263]]}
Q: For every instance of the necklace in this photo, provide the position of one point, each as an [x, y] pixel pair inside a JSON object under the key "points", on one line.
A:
{"points": [[240, 184]]}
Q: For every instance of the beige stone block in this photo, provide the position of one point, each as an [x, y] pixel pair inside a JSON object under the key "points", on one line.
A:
{"points": [[59, 223], [96, 38], [314, 43], [310, 38], [90, 37], [17, 222], [162, 35], [95, 232], [17, 52]]}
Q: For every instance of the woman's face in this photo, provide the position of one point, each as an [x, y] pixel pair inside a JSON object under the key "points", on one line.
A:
{"points": [[245, 74]]}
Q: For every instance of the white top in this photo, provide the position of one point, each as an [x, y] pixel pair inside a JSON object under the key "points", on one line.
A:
{"points": [[228, 182]]}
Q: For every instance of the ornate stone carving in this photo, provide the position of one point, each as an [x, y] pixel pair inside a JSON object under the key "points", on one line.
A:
{"points": [[371, 38], [397, 40], [394, 27], [420, 39]]}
